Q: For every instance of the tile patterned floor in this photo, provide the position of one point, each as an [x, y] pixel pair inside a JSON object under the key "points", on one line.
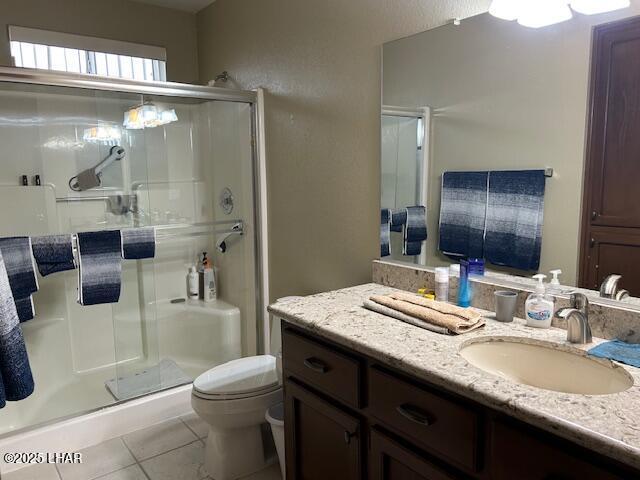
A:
{"points": [[171, 450]]}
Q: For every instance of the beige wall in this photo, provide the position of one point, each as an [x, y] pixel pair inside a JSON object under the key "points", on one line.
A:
{"points": [[504, 97], [115, 19], [320, 61]]}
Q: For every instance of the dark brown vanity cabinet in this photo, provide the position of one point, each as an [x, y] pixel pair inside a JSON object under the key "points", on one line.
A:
{"points": [[350, 417]]}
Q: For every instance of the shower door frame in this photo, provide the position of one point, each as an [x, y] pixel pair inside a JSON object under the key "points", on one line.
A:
{"points": [[254, 98]]}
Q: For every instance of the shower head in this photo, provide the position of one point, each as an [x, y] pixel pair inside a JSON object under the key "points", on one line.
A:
{"points": [[90, 178]]}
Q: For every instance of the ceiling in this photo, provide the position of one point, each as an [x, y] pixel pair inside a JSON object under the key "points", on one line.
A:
{"points": [[186, 5]]}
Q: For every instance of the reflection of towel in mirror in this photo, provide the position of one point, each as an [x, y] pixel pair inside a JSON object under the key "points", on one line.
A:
{"points": [[99, 267], [138, 243], [515, 208], [385, 232], [398, 219], [415, 230], [20, 266], [16, 380], [53, 253], [463, 206]]}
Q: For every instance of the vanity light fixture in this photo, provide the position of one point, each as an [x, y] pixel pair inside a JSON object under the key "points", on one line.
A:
{"points": [[541, 13], [591, 7]]}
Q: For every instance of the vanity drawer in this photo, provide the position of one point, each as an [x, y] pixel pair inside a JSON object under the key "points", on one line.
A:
{"points": [[331, 371], [437, 424], [519, 454]]}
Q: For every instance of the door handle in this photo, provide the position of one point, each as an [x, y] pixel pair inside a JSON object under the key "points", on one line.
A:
{"points": [[316, 365], [414, 415], [348, 436]]}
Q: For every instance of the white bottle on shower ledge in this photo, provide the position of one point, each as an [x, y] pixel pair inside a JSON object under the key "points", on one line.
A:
{"points": [[192, 283], [539, 306]]}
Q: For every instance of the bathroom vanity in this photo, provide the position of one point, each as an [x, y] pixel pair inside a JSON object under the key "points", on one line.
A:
{"points": [[367, 396]]}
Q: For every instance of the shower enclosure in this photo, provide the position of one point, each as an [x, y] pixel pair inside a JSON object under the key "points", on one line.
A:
{"points": [[193, 171]]}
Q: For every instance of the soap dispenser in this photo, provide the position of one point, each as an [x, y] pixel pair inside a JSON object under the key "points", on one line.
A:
{"points": [[554, 284], [539, 306]]}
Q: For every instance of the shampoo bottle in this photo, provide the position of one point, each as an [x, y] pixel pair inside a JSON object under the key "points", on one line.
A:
{"points": [[539, 306], [192, 283]]}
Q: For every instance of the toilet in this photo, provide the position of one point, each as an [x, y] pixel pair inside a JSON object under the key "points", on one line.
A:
{"points": [[232, 399]]}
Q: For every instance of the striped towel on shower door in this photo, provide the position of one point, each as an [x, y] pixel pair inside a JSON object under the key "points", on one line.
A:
{"points": [[99, 267], [21, 271], [16, 380]]}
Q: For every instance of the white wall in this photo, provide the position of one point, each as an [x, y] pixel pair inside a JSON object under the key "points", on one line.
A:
{"points": [[320, 64]]}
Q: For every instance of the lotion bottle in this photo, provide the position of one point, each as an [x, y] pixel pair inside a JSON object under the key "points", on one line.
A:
{"points": [[192, 283], [539, 306]]}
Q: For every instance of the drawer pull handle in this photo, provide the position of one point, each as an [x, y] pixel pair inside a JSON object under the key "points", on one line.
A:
{"points": [[414, 415], [316, 365]]}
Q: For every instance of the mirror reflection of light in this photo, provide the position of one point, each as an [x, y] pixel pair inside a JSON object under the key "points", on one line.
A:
{"points": [[63, 143], [148, 115], [108, 134]]}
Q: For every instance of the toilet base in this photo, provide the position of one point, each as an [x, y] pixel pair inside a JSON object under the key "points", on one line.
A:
{"points": [[234, 453]]}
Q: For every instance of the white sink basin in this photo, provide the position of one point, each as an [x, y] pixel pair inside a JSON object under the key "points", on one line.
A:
{"points": [[543, 365]]}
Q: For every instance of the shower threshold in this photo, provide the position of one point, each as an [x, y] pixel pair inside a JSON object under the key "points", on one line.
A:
{"points": [[166, 374]]}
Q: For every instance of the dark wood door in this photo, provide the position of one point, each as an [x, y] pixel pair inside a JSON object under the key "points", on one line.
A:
{"points": [[322, 441], [388, 460], [613, 154]]}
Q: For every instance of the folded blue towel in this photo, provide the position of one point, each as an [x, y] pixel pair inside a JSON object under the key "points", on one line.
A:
{"points": [[16, 380], [53, 253], [398, 219], [415, 231], [20, 266], [515, 208], [138, 243], [99, 267], [619, 351], [385, 232], [463, 206]]}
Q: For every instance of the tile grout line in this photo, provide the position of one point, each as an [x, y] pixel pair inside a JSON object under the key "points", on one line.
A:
{"points": [[171, 450], [134, 457], [192, 430]]}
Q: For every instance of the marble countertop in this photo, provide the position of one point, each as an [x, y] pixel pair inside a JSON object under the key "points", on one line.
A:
{"points": [[608, 424]]}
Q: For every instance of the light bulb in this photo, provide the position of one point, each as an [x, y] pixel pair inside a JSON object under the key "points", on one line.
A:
{"points": [[541, 13], [590, 7], [506, 9]]}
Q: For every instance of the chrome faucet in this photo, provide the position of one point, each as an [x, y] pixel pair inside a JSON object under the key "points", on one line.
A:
{"points": [[609, 288], [577, 316]]}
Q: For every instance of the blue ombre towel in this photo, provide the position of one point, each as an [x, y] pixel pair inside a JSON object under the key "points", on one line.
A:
{"points": [[138, 243], [385, 232], [619, 351], [398, 219], [16, 380], [515, 208], [99, 267], [415, 230], [463, 205], [20, 267], [53, 253]]}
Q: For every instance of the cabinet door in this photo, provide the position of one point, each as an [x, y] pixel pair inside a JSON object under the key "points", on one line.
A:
{"points": [[322, 441], [388, 460]]}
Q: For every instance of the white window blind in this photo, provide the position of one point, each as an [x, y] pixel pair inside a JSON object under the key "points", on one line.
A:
{"points": [[32, 48]]}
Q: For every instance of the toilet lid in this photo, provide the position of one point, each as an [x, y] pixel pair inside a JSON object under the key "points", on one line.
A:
{"points": [[242, 376]]}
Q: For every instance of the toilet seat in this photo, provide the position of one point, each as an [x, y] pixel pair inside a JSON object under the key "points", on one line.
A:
{"points": [[241, 378]]}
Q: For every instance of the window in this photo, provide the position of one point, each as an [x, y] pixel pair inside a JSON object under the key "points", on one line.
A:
{"points": [[32, 48]]}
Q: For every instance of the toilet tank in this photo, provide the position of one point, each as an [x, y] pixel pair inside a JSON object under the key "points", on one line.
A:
{"points": [[199, 335]]}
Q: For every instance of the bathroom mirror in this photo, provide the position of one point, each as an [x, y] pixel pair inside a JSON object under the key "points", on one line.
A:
{"points": [[549, 179]]}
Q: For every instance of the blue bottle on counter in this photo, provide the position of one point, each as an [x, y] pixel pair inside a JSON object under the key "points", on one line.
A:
{"points": [[476, 266], [465, 293]]}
